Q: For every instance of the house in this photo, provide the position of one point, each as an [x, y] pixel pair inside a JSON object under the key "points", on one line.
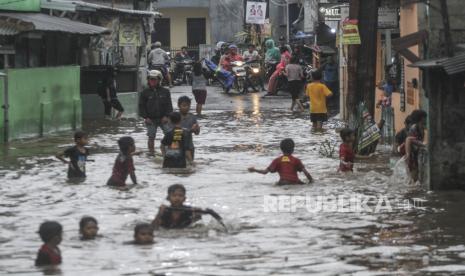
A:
{"points": [[124, 47], [40, 89]]}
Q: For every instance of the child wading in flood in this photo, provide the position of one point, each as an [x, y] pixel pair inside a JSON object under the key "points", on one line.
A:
{"points": [[199, 87], [88, 228], [77, 156], [318, 92], [414, 142], [143, 234], [188, 120], [295, 75], [286, 165], [177, 215], [51, 233], [176, 146], [346, 151], [124, 164]]}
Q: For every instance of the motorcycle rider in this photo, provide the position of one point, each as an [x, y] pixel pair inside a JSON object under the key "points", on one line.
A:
{"points": [[272, 56], [159, 58], [252, 56], [231, 57], [285, 59], [179, 59]]}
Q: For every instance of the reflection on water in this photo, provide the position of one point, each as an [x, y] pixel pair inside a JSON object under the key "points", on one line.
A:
{"points": [[425, 240]]}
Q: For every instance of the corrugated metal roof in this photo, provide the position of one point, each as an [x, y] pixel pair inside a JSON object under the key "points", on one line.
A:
{"points": [[455, 64], [8, 30], [70, 5], [47, 23], [452, 65]]}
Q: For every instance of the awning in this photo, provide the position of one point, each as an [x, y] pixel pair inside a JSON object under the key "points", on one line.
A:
{"points": [[15, 23], [452, 65], [76, 6]]}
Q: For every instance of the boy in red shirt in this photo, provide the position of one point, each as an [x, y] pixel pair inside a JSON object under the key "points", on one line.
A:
{"points": [[346, 151], [124, 164], [286, 165], [51, 233]]}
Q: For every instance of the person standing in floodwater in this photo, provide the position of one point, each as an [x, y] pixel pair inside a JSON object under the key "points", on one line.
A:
{"points": [[77, 156], [155, 106]]}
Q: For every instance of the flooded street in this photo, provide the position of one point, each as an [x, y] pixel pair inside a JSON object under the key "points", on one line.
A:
{"points": [[422, 234]]}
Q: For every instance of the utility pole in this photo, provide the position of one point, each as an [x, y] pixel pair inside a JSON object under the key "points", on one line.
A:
{"points": [[362, 67], [447, 34]]}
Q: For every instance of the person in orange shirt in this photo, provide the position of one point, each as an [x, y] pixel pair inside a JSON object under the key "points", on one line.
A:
{"points": [[318, 92]]}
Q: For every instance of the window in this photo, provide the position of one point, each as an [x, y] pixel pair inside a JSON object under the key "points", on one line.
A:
{"points": [[162, 32], [196, 32]]}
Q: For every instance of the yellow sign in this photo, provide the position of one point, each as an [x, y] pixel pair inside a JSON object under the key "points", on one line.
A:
{"points": [[350, 33], [129, 34]]}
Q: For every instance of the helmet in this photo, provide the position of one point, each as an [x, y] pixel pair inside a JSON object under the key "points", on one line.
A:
{"points": [[219, 45], [155, 74], [232, 46], [157, 44]]}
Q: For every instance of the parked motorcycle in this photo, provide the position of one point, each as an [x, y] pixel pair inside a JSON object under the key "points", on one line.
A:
{"points": [[185, 76]]}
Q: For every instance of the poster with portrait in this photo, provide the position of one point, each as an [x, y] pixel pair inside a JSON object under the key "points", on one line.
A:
{"points": [[255, 13]]}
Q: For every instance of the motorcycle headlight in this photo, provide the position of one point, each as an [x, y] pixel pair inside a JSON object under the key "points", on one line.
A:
{"points": [[256, 70], [239, 63]]}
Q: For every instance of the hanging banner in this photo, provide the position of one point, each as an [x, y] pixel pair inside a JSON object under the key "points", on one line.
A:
{"points": [[350, 33], [255, 13], [129, 34]]}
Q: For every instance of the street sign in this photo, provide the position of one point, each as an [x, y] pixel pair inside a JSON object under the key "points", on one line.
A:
{"points": [[255, 13], [330, 12], [388, 18]]}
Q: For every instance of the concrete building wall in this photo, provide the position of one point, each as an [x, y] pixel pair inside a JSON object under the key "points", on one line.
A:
{"points": [[446, 104], [311, 15], [178, 23], [42, 100], [227, 17]]}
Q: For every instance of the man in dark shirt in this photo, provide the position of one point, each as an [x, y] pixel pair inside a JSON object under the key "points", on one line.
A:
{"points": [[155, 106], [176, 146]]}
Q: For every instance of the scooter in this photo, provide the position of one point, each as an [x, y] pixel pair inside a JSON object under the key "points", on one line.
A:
{"points": [[186, 74], [253, 77], [240, 75]]}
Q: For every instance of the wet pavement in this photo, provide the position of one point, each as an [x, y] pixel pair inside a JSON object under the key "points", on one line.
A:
{"points": [[412, 232]]}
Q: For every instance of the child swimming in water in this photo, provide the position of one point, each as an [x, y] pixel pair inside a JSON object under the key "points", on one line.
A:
{"points": [[143, 234], [177, 215], [51, 233], [88, 228], [124, 164], [286, 165]]}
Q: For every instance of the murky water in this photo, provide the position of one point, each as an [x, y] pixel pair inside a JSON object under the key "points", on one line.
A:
{"points": [[425, 240]]}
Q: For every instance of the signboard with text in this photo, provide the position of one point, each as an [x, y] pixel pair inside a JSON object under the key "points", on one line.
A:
{"points": [[350, 33], [388, 18], [330, 12], [255, 13]]}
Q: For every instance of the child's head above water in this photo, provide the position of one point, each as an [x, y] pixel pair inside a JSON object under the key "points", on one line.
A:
{"points": [[126, 145], [88, 228], [347, 135], [176, 194], [175, 118], [51, 232], [81, 138], [184, 104], [287, 146], [143, 233]]}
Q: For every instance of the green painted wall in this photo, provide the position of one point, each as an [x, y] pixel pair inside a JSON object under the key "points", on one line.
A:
{"points": [[20, 5], [42, 100]]}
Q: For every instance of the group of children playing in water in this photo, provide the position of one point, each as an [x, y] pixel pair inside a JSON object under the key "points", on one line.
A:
{"points": [[177, 149], [175, 216]]}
